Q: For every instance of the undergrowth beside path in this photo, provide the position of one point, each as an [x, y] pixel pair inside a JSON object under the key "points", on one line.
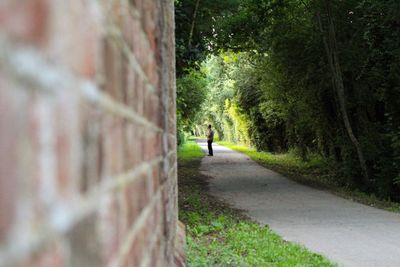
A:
{"points": [[314, 172], [218, 235]]}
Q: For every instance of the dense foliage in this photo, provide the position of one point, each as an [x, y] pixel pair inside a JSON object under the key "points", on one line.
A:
{"points": [[314, 76], [191, 92], [196, 22], [195, 31]]}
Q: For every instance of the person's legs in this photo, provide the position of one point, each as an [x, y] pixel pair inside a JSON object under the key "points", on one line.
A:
{"points": [[210, 150]]}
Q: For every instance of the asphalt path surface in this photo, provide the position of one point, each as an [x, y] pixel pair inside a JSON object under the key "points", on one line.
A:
{"points": [[348, 233]]}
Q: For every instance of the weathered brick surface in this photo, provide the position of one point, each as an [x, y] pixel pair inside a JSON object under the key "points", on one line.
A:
{"points": [[87, 134]]}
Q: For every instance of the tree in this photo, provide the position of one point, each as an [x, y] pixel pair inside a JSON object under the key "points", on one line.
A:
{"points": [[331, 49]]}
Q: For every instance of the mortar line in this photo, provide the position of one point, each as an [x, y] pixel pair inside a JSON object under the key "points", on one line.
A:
{"points": [[117, 36], [153, 242], [119, 40], [127, 243], [29, 66]]}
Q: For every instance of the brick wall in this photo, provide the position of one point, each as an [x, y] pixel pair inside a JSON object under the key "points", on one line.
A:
{"points": [[87, 133]]}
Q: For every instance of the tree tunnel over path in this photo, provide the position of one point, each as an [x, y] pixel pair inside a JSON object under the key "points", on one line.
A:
{"points": [[317, 78]]}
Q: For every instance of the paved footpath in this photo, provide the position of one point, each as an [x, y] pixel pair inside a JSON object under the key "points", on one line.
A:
{"points": [[346, 232]]}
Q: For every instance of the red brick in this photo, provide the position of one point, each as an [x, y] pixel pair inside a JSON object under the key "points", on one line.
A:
{"points": [[90, 134], [131, 151], [136, 196], [139, 103], [66, 127], [149, 21], [115, 135], [74, 38], [111, 231], [107, 144], [137, 249], [25, 21], [113, 62], [9, 115], [156, 179], [51, 257]]}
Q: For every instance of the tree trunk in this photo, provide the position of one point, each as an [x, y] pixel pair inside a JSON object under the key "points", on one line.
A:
{"points": [[333, 60], [193, 22]]}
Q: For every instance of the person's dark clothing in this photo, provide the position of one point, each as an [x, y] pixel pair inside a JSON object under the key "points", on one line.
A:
{"points": [[210, 138], [210, 150]]}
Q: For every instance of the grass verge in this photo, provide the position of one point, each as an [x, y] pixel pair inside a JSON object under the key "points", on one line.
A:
{"points": [[314, 172], [218, 235]]}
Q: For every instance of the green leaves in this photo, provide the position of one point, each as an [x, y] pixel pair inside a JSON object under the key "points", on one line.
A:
{"points": [[191, 93], [210, 15], [265, 77]]}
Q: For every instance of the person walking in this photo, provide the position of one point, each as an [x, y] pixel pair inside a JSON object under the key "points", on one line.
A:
{"points": [[210, 138]]}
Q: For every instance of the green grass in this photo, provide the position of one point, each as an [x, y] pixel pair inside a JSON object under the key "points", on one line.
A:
{"points": [[218, 235], [288, 160], [189, 151], [315, 172]]}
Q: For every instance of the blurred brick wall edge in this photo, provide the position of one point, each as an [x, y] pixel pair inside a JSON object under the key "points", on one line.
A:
{"points": [[88, 173]]}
